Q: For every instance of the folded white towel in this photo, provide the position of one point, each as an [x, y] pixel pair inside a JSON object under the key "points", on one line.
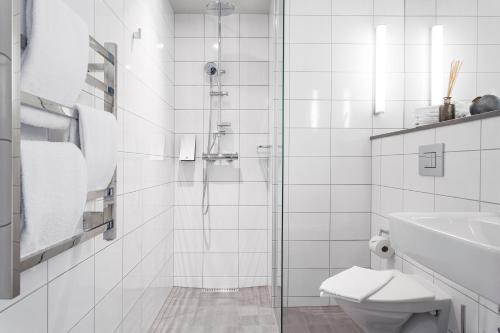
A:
{"points": [[356, 283], [54, 192], [99, 144], [40, 118], [54, 63]]}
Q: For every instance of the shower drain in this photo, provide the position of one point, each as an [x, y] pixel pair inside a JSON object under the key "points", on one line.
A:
{"points": [[220, 290]]}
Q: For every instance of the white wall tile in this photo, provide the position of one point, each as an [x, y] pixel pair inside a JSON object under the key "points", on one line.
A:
{"points": [[350, 170], [309, 198], [350, 226], [310, 85], [75, 289], [392, 171], [108, 313], [253, 264], [189, 49], [486, 28], [230, 26], [253, 241], [309, 170], [356, 7], [352, 114], [189, 25], [488, 7], [304, 7], [310, 57], [456, 8], [490, 177], [451, 204], [345, 254], [308, 254], [309, 142], [350, 142], [353, 29], [412, 179], [253, 49], [490, 136], [306, 282], [254, 25], [392, 7], [350, 198], [14, 319], [460, 137], [253, 217], [220, 264], [420, 7], [309, 226], [310, 29], [461, 175]]}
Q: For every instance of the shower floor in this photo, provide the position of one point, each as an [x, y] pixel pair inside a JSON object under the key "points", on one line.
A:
{"points": [[245, 311], [190, 310]]}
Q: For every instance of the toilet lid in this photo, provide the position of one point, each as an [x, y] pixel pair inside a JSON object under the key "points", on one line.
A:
{"points": [[402, 288]]}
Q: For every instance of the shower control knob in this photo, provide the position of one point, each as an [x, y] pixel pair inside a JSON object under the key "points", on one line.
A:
{"points": [[211, 68]]}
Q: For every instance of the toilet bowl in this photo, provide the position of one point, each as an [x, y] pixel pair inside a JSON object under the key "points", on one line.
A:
{"points": [[406, 304]]}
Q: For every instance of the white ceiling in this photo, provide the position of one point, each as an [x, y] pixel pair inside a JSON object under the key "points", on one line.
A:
{"points": [[199, 6]]}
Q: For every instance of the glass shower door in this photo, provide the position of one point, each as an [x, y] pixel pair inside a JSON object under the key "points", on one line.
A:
{"points": [[277, 132]]}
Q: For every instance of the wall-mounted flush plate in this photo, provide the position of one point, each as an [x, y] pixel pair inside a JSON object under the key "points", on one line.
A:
{"points": [[431, 160]]}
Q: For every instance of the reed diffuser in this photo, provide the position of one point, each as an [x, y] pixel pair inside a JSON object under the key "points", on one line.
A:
{"points": [[447, 110]]}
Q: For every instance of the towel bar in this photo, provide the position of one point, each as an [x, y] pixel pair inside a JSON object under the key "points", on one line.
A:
{"points": [[93, 223]]}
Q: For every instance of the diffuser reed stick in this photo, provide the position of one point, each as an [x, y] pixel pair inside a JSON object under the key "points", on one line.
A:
{"points": [[455, 67]]}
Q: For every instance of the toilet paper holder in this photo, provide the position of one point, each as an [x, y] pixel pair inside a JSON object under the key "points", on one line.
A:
{"points": [[384, 231]]}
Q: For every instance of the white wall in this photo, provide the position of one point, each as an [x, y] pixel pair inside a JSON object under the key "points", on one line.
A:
{"points": [[237, 226], [471, 182], [104, 286], [328, 114]]}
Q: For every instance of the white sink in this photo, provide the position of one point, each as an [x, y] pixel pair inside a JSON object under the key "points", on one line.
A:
{"points": [[464, 247]]}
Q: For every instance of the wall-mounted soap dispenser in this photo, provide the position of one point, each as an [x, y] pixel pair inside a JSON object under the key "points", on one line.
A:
{"points": [[188, 148]]}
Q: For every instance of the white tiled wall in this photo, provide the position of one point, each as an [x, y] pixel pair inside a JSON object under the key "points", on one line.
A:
{"points": [[328, 116], [118, 286], [471, 182], [234, 250]]}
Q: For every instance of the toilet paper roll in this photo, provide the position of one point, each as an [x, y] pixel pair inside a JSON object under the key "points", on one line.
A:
{"points": [[381, 247]]}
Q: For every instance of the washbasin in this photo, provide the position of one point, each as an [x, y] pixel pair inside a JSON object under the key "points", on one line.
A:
{"points": [[463, 247]]}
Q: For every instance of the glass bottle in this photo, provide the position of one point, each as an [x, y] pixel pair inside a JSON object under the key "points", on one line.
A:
{"points": [[446, 110]]}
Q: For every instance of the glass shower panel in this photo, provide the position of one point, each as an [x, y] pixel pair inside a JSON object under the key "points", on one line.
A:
{"points": [[277, 131]]}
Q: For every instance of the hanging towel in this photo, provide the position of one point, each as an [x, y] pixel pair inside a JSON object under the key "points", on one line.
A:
{"points": [[356, 283], [99, 144], [54, 63], [54, 192], [40, 118]]}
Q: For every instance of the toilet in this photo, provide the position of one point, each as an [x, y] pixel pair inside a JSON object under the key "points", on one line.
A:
{"points": [[406, 304]]}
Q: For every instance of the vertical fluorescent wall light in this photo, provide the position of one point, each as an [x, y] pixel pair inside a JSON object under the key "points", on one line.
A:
{"points": [[380, 68], [437, 65]]}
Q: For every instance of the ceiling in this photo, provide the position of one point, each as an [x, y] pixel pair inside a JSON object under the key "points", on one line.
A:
{"points": [[199, 6]]}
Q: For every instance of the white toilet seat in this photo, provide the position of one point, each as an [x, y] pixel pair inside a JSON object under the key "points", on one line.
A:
{"points": [[407, 303], [406, 293]]}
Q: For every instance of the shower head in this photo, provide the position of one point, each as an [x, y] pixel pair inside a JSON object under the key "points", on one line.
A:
{"points": [[215, 7]]}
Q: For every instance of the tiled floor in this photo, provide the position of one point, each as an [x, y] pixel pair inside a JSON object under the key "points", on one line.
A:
{"points": [[318, 319], [192, 310], [195, 311]]}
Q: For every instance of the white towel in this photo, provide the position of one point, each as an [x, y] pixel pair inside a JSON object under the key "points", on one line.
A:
{"points": [[40, 118], [99, 144], [356, 283], [54, 192], [54, 63]]}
